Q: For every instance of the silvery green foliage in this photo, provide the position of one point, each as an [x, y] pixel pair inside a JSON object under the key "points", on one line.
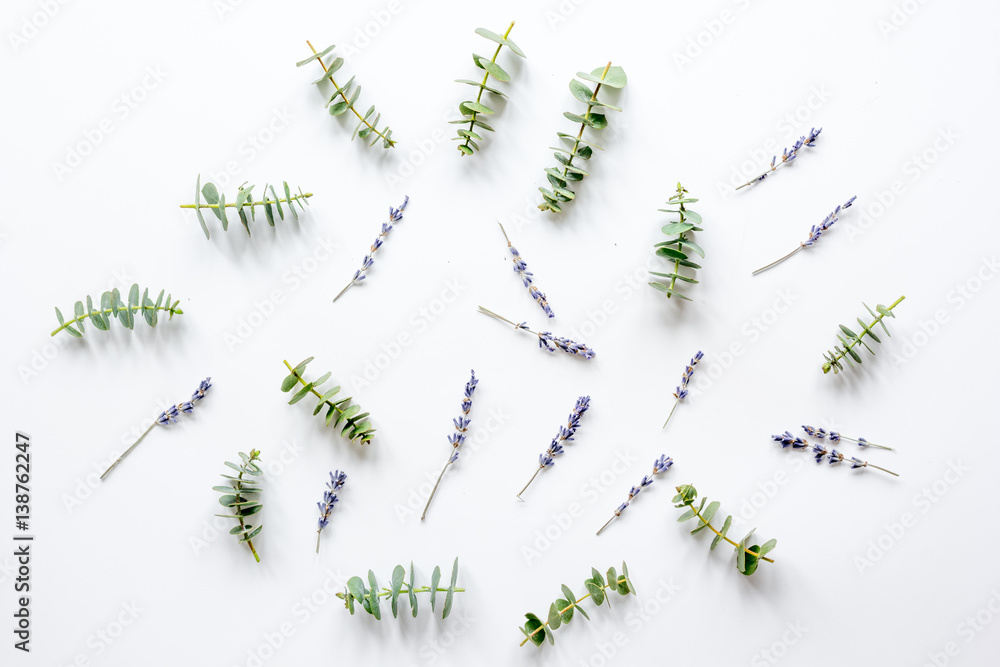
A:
{"points": [[348, 94], [562, 610], [471, 110], [216, 201], [111, 306], [676, 250], [748, 556], [356, 427], [368, 596], [240, 494], [834, 357], [561, 177]]}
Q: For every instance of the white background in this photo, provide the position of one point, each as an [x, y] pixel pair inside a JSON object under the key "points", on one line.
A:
{"points": [[907, 96]]}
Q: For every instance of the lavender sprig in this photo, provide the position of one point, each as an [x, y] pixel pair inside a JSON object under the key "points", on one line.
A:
{"points": [[168, 416], [660, 465], [457, 439], [546, 339], [395, 215], [682, 390], [786, 156], [814, 233], [836, 437], [330, 498], [820, 452], [547, 458], [527, 277]]}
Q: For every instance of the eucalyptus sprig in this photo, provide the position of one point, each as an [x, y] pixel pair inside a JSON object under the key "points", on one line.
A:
{"points": [[365, 126], [471, 110], [559, 178], [747, 557], [111, 306], [356, 591], [241, 494], [837, 355], [356, 428], [674, 250], [561, 611], [216, 201]]}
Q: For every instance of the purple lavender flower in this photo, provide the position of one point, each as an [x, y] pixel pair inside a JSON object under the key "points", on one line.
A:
{"points": [[787, 439], [660, 465], [682, 390], [456, 439], [395, 215], [546, 340], [527, 277], [787, 156], [330, 498], [814, 233], [819, 452], [168, 416], [834, 436], [547, 458]]}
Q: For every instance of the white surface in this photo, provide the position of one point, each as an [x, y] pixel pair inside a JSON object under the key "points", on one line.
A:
{"points": [[886, 99]]}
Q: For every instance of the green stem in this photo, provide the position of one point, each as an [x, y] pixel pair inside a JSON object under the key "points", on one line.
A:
{"points": [[166, 309], [364, 120], [239, 498], [579, 135], [708, 524], [482, 87], [251, 204], [311, 389], [677, 262], [545, 624], [849, 346], [387, 592]]}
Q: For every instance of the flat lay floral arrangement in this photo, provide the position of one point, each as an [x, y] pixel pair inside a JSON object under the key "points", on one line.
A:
{"points": [[594, 102]]}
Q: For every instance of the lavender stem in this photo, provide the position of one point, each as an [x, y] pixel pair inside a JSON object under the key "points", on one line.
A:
{"points": [[127, 451], [529, 482], [775, 263]]}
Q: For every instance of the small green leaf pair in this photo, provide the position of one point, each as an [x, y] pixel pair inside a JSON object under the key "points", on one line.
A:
{"points": [[367, 126], [676, 250], [835, 357], [240, 494], [748, 556], [356, 427], [470, 110], [216, 201], [560, 177], [111, 306], [368, 598], [562, 610]]}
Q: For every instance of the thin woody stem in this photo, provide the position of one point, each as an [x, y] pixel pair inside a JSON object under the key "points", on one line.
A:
{"points": [[872, 465], [676, 401], [607, 524], [529, 482], [127, 451], [434, 490], [779, 261]]}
